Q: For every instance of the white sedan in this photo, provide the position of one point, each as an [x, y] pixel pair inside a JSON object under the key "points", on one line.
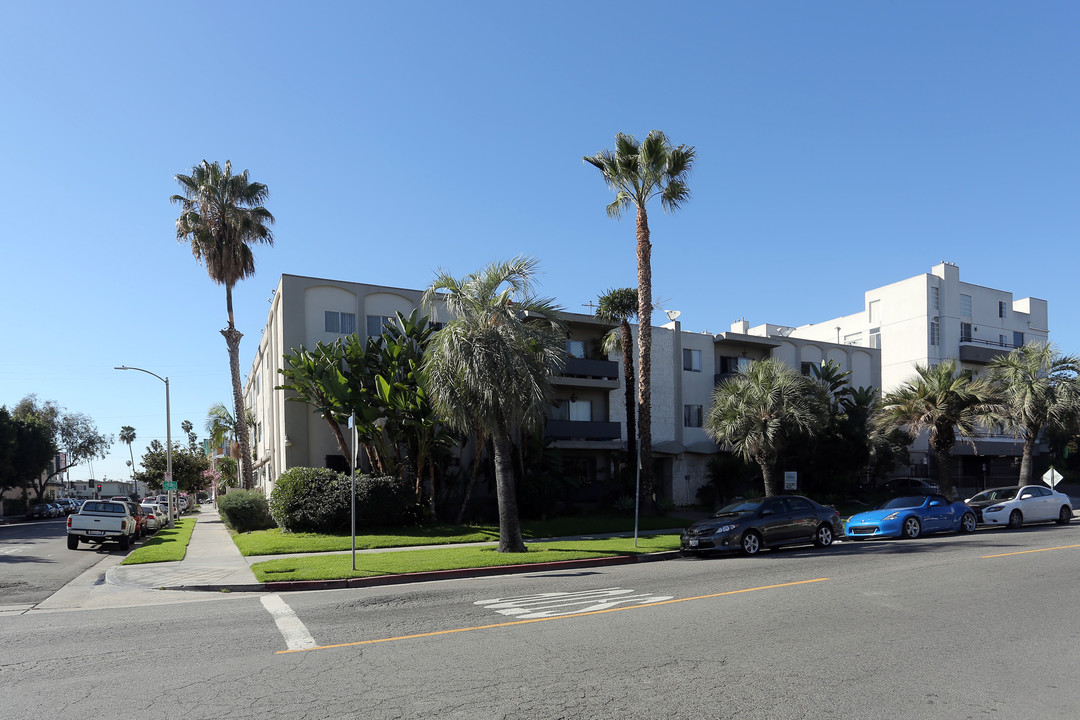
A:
{"points": [[1012, 507]]}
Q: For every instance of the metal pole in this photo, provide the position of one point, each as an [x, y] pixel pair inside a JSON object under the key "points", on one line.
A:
{"points": [[637, 484], [352, 483], [168, 438]]}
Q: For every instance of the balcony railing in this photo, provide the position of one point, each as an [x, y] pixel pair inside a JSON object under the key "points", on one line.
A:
{"points": [[582, 367], [582, 430]]}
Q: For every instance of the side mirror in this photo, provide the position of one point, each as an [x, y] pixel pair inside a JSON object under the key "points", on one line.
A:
{"points": [[1025, 496]]}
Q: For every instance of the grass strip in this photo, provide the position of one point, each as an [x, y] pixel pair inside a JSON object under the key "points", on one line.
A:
{"points": [[339, 566], [167, 545], [275, 542]]}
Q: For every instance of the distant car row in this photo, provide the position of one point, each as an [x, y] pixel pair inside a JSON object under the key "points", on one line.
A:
{"points": [[750, 525]]}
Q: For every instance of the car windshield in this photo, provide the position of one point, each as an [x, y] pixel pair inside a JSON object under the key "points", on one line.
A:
{"points": [[996, 494], [742, 506], [904, 502]]}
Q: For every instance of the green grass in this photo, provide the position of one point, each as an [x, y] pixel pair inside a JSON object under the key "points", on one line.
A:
{"points": [[165, 546], [339, 566], [274, 542]]}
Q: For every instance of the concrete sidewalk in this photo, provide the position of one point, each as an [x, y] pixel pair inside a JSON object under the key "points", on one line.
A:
{"points": [[213, 563]]}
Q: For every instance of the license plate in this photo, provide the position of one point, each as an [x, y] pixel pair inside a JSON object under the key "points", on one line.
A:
{"points": [[95, 532], [693, 542]]}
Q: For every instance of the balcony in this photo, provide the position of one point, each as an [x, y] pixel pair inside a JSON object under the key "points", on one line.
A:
{"points": [[981, 352], [579, 430], [581, 372]]}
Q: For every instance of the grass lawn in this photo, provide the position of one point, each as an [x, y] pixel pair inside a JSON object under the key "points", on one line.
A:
{"points": [[338, 566], [274, 542], [166, 545]]}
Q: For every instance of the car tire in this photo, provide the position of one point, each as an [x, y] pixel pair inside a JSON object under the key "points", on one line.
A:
{"points": [[911, 528], [1065, 516], [751, 543], [823, 536], [125, 543], [73, 542], [968, 523], [1016, 519]]}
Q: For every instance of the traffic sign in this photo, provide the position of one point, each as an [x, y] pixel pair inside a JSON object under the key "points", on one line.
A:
{"points": [[170, 485], [1052, 477]]}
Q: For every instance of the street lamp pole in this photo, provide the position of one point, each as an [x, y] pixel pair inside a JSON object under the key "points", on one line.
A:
{"points": [[168, 437]]}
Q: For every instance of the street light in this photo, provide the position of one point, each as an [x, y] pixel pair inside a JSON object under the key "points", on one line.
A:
{"points": [[168, 435]]}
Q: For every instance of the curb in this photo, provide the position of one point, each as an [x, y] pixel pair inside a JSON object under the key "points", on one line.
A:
{"points": [[432, 575]]}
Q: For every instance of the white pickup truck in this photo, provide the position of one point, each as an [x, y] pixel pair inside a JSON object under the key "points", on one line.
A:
{"points": [[101, 521]]}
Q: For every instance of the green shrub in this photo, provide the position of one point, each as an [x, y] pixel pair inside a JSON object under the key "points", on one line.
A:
{"points": [[311, 500], [384, 502], [245, 510]]}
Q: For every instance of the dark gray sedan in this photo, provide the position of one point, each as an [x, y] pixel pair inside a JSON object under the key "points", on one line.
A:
{"points": [[750, 525]]}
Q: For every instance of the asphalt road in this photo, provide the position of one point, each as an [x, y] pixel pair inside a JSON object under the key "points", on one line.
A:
{"points": [[945, 626], [35, 561]]}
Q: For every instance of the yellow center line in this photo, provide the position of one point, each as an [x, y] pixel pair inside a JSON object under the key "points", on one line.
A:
{"points": [[1025, 552], [544, 619]]}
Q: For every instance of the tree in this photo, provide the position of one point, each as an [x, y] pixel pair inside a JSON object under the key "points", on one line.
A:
{"points": [[187, 468], [1034, 387], [27, 448], [756, 411], [939, 400], [620, 305], [74, 433], [489, 368], [638, 173], [127, 435], [222, 216]]}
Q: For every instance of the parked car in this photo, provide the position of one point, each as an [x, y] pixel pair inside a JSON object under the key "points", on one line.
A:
{"points": [[69, 505], [910, 516], [39, 510], [911, 486], [100, 521], [749, 525], [155, 519], [1013, 506]]}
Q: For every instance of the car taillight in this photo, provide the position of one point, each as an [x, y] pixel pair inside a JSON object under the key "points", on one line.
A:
{"points": [[69, 521], [123, 524]]}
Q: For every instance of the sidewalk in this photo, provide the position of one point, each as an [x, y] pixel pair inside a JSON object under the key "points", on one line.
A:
{"points": [[214, 563]]}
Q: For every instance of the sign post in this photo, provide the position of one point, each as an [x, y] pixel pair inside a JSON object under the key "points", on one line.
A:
{"points": [[1052, 477]]}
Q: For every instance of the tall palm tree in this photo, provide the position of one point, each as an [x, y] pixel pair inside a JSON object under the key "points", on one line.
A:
{"points": [[489, 368], [758, 409], [127, 435], [222, 216], [620, 305], [939, 400], [638, 172], [1035, 387]]}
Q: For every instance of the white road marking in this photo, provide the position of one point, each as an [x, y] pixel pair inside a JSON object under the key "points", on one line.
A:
{"points": [[10, 549], [292, 629], [527, 607]]}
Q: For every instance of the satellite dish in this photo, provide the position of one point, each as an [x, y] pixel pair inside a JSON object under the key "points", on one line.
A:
{"points": [[673, 314]]}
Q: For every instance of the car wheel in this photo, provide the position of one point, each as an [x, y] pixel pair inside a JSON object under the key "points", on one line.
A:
{"points": [[1065, 516], [824, 536], [751, 543], [911, 529], [1016, 519], [73, 542], [968, 523], [124, 543]]}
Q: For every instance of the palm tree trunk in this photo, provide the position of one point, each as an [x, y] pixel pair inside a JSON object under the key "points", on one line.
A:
{"points": [[768, 474], [1030, 438], [644, 258], [232, 341], [943, 456], [509, 525], [630, 390]]}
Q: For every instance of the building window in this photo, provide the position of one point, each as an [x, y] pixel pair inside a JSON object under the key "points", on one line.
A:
{"points": [[692, 415], [575, 348], [935, 297], [1001, 309], [875, 311], [691, 360], [574, 410], [965, 305], [965, 332], [853, 339], [375, 324], [806, 368], [1001, 340], [1018, 339], [935, 332], [875, 340], [339, 322]]}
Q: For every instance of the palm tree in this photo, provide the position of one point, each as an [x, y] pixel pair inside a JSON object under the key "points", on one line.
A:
{"points": [[638, 172], [939, 400], [127, 435], [220, 426], [759, 408], [620, 305], [488, 369], [222, 216], [1035, 387]]}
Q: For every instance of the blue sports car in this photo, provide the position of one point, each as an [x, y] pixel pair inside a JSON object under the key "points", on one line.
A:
{"points": [[910, 517]]}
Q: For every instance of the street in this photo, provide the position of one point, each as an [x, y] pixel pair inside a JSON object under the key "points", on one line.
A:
{"points": [[946, 626]]}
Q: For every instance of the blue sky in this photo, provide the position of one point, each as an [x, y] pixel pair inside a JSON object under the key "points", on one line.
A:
{"points": [[840, 146]]}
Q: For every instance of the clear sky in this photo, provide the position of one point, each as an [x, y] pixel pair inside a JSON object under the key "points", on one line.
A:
{"points": [[841, 146]]}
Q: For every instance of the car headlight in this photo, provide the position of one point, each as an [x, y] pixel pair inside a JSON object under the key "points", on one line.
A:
{"points": [[892, 516], [994, 508], [725, 529]]}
